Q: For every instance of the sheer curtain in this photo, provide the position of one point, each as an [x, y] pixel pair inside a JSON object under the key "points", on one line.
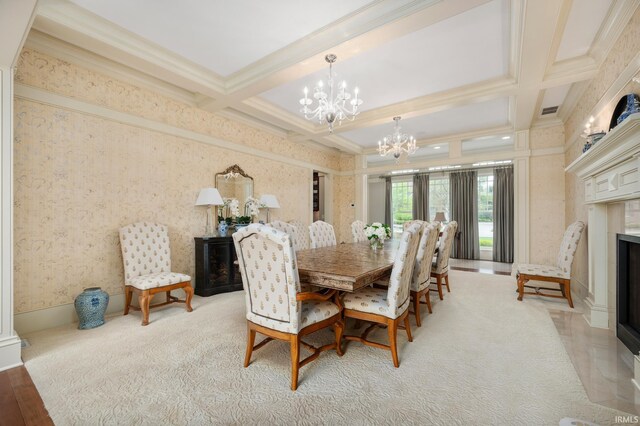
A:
{"points": [[388, 218], [421, 197], [503, 214], [463, 188]]}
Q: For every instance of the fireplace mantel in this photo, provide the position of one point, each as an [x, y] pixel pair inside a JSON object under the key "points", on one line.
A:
{"points": [[610, 171]]}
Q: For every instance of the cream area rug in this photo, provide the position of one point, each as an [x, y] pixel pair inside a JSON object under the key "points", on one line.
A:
{"points": [[481, 358]]}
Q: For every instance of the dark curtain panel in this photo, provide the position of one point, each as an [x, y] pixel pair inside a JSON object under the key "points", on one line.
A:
{"points": [[463, 189], [421, 197], [388, 218], [503, 214]]}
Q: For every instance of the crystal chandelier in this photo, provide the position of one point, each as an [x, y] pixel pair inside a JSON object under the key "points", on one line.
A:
{"points": [[342, 107], [397, 143]]}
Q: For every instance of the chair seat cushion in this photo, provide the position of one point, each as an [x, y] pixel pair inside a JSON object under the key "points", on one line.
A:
{"points": [[159, 279], [313, 311], [542, 271], [372, 300]]}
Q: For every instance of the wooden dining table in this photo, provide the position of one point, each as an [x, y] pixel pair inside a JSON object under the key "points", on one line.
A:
{"points": [[345, 267]]}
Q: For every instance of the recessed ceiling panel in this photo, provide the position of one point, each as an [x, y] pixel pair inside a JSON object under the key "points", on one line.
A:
{"points": [[424, 153], [487, 143], [467, 118], [584, 22], [222, 35], [555, 96], [465, 49]]}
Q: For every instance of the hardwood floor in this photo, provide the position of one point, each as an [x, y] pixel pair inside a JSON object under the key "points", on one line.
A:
{"points": [[20, 402]]}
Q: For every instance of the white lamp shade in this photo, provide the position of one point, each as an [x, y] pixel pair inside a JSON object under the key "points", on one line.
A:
{"points": [[269, 201], [209, 197]]}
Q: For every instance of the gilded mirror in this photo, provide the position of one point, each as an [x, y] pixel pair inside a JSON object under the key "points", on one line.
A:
{"points": [[235, 183]]}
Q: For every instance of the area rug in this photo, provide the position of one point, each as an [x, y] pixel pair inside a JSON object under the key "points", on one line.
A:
{"points": [[480, 358]]}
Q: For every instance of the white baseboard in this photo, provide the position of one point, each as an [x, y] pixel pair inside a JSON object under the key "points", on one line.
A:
{"points": [[10, 353]]}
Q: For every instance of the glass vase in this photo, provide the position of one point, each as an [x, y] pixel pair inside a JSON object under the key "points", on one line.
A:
{"points": [[376, 244]]}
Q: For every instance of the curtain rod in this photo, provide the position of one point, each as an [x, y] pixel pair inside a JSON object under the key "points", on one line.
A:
{"points": [[497, 166]]}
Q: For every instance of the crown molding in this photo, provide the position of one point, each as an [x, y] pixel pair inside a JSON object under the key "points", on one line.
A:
{"points": [[616, 20], [545, 122], [75, 25], [67, 52]]}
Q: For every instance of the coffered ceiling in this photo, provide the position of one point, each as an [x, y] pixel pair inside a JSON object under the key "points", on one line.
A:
{"points": [[471, 70]]}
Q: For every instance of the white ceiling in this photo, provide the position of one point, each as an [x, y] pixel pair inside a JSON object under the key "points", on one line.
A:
{"points": [[453, 69]]}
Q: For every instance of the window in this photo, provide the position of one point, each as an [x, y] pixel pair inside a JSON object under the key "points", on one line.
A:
{"points": [[439, 196], [485, 211], [402, 199]]}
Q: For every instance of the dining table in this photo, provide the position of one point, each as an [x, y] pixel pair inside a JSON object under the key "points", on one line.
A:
{"points": [[346, 267]]}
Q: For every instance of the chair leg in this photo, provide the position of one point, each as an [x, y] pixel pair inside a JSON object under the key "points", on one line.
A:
{"points": [[144, 299], [428, 299], [128, 292], [338, 328], [520, 288], [295, 360], [251, 338], [392, 328], [407, 326], [439, 283], [189, 295], [446, 280], [168, 296], [567, 290], [416, 308]]}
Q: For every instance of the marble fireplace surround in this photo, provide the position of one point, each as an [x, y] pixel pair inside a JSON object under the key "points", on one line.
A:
{"points": [[610, 172]]}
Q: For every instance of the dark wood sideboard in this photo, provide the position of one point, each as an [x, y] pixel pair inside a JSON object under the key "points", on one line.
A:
{"points": [[216, 271]]}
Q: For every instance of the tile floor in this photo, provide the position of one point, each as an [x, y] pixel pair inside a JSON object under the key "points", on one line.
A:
{"points": [[603, 363]]}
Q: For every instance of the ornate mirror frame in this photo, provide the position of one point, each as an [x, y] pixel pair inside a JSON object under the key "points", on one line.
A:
{"points": [[234, 183]]}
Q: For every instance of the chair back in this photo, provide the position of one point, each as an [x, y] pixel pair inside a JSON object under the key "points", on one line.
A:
{"points": [[402, 272], [288, 229], [321, 234], [267, 263], [357, 231], [569, 246], [413, 222], [302, 234], [424, 257], [446, 244], [145, 249]]}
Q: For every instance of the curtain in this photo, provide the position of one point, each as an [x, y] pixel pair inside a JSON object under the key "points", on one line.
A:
{"points": [[503, 214], [463, 189], [421, 197], [388, 218]]}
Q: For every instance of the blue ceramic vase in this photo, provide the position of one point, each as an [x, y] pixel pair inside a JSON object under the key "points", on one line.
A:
{"points": [[91, 305], [632, 108], [222, 228]]}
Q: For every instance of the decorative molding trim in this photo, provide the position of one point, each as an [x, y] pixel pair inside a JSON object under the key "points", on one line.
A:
{"points": [[45, 97], [617, 19], [542, 123]]}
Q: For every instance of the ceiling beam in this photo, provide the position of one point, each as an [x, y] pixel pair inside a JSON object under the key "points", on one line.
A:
{"points": [[16, 18]]}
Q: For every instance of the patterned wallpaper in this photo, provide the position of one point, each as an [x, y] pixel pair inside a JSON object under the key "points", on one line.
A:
{"points": [[625, 49], [78, 178], [547, 201]]}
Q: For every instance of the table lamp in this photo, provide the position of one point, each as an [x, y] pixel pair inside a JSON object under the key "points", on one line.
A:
{"points": [[269, 202], [440, 217], [209, 197]]}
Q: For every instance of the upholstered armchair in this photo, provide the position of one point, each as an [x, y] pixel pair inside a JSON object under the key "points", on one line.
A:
{"points": [[440, 267], [302, 234], [147, 268], [357, 231], [387, 306], [321, 234], [421, 277], [559, 273], [275, 306]]}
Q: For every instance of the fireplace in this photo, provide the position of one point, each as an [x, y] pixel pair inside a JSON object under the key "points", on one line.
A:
{"points": [[628, 291]]}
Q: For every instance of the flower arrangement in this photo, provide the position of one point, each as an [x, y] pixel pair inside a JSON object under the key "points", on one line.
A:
{"points": [[251, 209], [229, 210], [377, 232]]}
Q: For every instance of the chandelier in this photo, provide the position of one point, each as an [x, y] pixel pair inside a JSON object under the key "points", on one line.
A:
{"points": [[397, 143], [330, 109]]}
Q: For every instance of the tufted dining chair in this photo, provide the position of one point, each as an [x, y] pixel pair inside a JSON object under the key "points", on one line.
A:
{"points": [[387, 306], [147, 267], [275, 306], [421, 277], [413, 222], [559, 273], [321, 234], [357, 231], [288, 229], [302, 234], [440, 267]]}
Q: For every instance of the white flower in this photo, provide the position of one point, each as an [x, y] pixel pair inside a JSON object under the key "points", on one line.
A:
{"points": [[234, 207], [376, 224]]}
